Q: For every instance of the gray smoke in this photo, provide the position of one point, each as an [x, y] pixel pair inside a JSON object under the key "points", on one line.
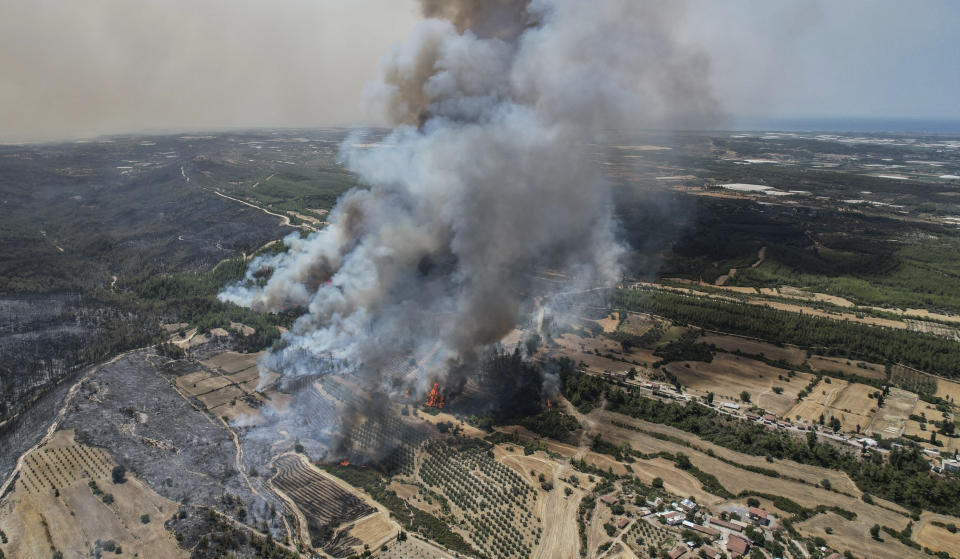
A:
{"points": [[485, 181]]}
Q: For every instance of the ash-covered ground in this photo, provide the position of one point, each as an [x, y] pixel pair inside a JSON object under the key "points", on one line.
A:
{"points": [[132, 409]]}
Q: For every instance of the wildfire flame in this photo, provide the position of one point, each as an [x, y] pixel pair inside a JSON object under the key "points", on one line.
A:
{"points": [[345, 463], [434, 398]]}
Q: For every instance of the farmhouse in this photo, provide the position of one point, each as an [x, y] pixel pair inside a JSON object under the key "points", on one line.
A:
{"points": [[609, 499], [673, 517], [759, 516], [713, 533], [724, 524], [737, 546]]}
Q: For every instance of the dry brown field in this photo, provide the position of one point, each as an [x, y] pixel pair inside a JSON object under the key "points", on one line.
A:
{"points": [[787, 468], [932, 414], [729, 375], [35, 519], [230, 362], [854, 536], [638, 324], [891, 419], [609, 323], [556, 511], [374, 530], [948, 390], [563, 449], [847, 367], [736, 480], [853, 406], [726, 342], [413, 548], [937, 538], [848, 402], [675, 481], [201, 383]]}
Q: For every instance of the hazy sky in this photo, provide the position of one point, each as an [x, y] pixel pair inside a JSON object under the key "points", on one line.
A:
{"points": [[72, 68]]}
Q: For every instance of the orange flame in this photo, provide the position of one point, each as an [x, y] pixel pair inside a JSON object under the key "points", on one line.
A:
{"points": [[434, 398], [345, 463]]}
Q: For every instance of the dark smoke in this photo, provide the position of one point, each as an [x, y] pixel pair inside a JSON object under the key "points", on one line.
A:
{"points": [[485, 182]]}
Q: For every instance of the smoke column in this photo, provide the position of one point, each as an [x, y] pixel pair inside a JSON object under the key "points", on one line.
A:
{"points": [[486, 179]]}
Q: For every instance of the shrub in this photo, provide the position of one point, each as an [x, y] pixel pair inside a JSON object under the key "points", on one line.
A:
{"points": [[119, 474]]}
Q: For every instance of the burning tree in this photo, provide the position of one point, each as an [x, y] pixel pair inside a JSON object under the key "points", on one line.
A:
{"points": [[434, 397]]}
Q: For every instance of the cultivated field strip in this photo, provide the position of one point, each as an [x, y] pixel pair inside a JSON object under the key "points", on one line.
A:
{"points": [[324, 504], [54, 468]]}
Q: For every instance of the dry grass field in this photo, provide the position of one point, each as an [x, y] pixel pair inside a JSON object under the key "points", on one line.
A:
{"points": [[936, 537], [854, 535], [853, 406], [850, 403], [890, 420], [53, 506], [788, 468], [675, 481], [847, 367], [848, 534], [755, 347], [229, 362], [413, 548], [818, 402], [729, 375]]}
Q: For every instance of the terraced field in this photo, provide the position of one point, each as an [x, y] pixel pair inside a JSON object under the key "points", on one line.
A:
{"points": [[324, 504]]}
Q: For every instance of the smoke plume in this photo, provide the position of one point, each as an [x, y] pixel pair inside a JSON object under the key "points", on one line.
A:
{"points": [[486, 181]]}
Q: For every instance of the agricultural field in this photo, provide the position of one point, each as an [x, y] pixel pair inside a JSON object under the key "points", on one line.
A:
{"points": [[66, 499], [890, 420], [748, 346], [495, 503], [727, 376], [325, 506], [413, 548], [847, 367], [933, 531]]}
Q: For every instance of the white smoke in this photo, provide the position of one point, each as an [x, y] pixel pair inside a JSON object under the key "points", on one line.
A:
{"points": [[486, 180]]}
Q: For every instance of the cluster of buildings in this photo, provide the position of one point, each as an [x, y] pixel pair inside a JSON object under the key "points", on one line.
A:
{"points": [[726, 535]]}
